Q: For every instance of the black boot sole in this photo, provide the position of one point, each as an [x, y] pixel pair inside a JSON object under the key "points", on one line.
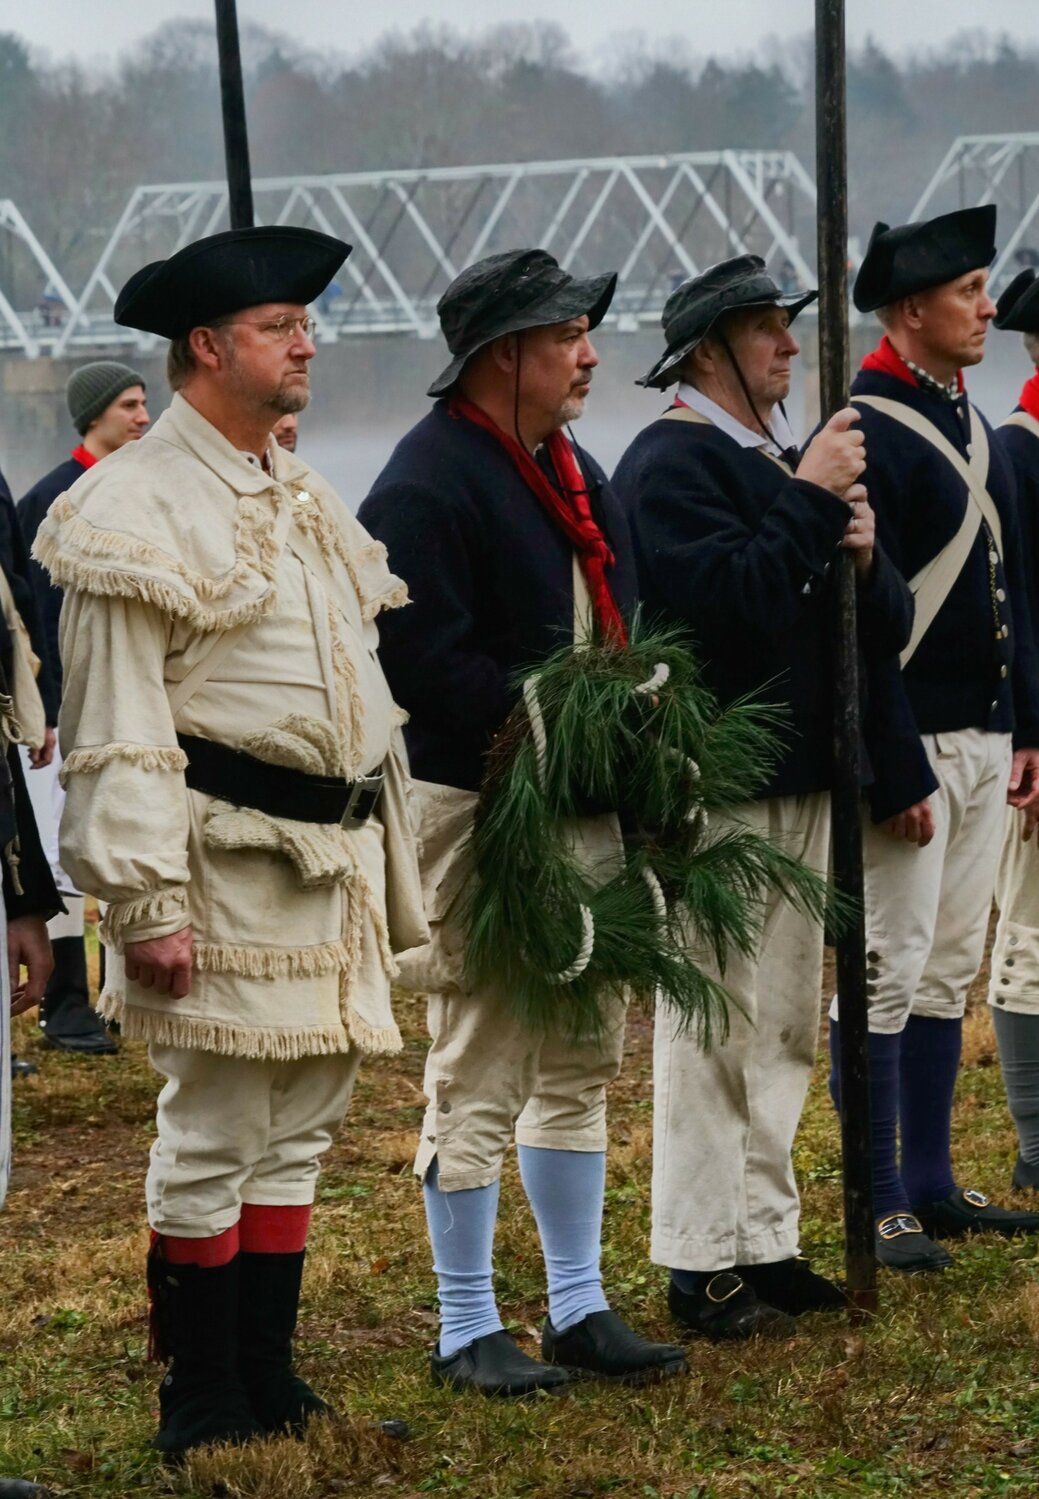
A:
{"points": [[633, 1378]]}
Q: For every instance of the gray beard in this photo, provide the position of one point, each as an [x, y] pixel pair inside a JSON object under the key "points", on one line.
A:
{"points": [[571, 410], [288, 400]]}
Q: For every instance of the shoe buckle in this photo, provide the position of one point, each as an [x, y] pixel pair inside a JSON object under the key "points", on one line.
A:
{"points": [[897, 1224], [975, 1199], [734, 1291]]}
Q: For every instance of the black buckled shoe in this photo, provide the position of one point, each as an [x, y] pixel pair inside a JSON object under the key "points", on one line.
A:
{"points": [[494, 1365], [727, 1309], [21, 1488], [793, 1286], [971, 1212], [901, 1244], [602, 1346], [21, 1068], [1025, 1177]]}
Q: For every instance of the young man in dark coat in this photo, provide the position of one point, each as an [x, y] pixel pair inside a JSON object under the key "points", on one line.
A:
{"points": [[510, 542], [1014, 981], [943, 493], [106, 402], [734, 535]]}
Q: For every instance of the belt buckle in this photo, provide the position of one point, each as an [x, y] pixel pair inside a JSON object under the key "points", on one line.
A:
{"points": [[360, 804]]}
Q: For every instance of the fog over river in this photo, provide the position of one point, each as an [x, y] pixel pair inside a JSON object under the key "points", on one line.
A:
{"points": [[366, 393]]}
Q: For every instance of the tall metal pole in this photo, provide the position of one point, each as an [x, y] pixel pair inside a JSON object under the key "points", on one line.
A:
{"points": [[232, 101], [831, 134]]}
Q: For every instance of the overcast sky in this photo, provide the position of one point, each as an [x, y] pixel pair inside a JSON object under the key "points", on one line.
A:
{"points": [[91, 28]]}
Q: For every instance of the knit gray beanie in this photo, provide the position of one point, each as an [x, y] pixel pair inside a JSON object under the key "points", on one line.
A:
{"points": [[94, 386]]}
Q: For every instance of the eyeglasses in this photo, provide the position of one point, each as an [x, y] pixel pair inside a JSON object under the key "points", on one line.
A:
{"points": [[282, 329]]}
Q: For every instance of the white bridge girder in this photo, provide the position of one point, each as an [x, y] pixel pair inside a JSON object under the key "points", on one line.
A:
{"points": [[1000, 169], [658, 219], [30, 331]]}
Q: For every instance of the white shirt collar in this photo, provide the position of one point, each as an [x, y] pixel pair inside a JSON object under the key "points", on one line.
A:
{"points": [[727, 423]]}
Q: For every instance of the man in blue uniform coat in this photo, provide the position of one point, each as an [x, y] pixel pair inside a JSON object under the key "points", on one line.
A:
{"points": [[734, 535], [968, 680], [1014, 981], [510, 542]]}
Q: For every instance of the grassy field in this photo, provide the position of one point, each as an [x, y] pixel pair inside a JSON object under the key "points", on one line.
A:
{"points": [[939, 1396]]}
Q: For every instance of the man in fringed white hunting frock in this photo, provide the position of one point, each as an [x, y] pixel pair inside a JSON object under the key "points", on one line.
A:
{"points": [[234, 796]]}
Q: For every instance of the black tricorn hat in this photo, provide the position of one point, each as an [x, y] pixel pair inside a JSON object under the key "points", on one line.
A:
{"points": [[913, 257], [226, 272], [693, 308], [507, 293], [1018, 307]]}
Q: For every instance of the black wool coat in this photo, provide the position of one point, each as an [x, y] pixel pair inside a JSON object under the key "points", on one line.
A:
{"points": [[737, 552], [32, 508], [491, 581], [16, 563], [1020, 448], [963, 674]]}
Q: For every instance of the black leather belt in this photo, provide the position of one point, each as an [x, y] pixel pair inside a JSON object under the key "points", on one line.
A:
{"points": [[241, 779]]}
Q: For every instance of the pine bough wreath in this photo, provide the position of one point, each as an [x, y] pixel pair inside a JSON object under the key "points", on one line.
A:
{"points": [[634, 730]]}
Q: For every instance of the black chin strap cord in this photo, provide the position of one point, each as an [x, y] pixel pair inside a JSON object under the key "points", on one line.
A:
{"points": [[791, 455]]}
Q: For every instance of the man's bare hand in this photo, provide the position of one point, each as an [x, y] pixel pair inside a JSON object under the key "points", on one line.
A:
{"points": [[42, 756], [915, 824], [163, 964], [1023, 789], [860, 534], [836, 455], [28, 947]]}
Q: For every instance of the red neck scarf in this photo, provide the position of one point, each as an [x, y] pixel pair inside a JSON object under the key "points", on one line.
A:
{"points": [[82, 455], [1030, 396], [886, 358], [570, 510]]}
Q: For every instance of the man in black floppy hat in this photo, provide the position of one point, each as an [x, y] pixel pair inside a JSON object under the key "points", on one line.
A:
{"points": [[1014, 978], [967, 683], [235, 796], [106, 401], [734, 534], [511, 544]]}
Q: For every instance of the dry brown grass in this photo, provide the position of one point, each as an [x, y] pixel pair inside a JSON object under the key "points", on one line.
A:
{"points": [[940, 1396]]}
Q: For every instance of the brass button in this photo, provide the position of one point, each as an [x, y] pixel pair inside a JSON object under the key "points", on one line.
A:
{"points": [[1001, 595], [1002, 671], [993, 557]]}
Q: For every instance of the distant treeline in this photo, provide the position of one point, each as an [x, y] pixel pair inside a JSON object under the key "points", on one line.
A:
{"points": [[74, 142]]}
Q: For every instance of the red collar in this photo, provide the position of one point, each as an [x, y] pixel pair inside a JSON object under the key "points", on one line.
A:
{"points": [[886, 358], [83, 456], [1030, 396]]}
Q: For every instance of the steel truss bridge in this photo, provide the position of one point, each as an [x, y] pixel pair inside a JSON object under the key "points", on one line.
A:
{"points": [[1000, 169], [658, 219]]}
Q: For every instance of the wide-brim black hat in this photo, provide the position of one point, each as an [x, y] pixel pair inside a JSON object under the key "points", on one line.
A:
{"points": [[1018, 307], [226, 272], [508, 293], [914, 257], [693, 308]]}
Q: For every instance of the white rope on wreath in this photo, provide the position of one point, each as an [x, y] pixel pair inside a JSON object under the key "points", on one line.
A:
{"points": [[656, 891], [661, 673], [537, 726], [584, 952]]}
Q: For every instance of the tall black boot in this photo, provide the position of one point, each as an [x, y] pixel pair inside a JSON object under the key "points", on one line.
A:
{"points": [[269, 1288], [67, 1018], [195, 1326]]}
